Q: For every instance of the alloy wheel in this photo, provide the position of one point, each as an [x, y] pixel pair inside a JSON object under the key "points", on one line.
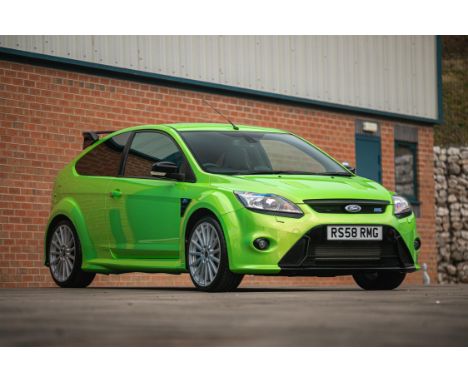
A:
{"points": [[62, 252], [204, 254]]}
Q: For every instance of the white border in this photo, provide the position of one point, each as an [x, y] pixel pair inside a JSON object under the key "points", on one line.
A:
{"points": [[232, 364], [233, 17]]}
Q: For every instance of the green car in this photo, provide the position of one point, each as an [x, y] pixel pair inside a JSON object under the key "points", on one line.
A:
{"points": [[219, 202]]}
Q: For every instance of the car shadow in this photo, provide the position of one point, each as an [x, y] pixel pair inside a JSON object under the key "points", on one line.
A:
{"points": [[239, 290]]}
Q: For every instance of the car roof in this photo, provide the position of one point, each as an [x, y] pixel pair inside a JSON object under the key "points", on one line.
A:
{"points": [[219, 126], [203, 126]]}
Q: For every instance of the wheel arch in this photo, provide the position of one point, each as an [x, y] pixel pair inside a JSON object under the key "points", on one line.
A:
{"points": [[195, 216], [200, 212], [68, 209]]}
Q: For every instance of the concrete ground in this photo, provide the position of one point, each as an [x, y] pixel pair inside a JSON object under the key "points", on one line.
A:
{"points": [[409, 316]]}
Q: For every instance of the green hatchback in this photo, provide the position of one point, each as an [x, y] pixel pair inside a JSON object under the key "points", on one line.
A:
{"points": [[219, 202]]}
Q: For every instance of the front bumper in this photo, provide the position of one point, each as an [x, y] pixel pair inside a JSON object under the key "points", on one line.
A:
{"points": [[314, 255], [293, 243]]}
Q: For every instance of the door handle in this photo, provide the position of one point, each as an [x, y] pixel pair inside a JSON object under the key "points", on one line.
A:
{"points": [[116, 193]]}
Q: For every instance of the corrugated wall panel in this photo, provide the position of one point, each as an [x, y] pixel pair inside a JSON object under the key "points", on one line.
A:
{"points": [[393, 74]]}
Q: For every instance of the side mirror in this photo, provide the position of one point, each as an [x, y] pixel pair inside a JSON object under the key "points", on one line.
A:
{"points": [[348, 167], [166, 170]]}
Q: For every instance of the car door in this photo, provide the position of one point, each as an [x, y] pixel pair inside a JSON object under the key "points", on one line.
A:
{"points": [[143, 210], [96, 169]]}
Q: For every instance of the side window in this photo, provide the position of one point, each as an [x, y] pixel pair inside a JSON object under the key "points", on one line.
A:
{"points": [[406, 177], [104, 159], [148, 148]]}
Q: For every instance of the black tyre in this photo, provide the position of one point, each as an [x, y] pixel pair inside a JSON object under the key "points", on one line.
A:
{"points": [[382, 280], [65, 257], [207, 258]]}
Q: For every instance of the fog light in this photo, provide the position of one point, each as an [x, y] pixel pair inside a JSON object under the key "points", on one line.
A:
{"points": [[417, 244], [261, 243]]}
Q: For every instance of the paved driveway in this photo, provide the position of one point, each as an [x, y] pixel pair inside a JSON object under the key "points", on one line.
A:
{"points": [[436, 315]]}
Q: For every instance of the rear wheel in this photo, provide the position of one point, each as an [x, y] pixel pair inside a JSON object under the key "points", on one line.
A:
{"points": [[64, 254], [381, 280], [207, 258]]}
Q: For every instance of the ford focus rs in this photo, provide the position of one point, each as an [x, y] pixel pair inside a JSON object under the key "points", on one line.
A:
{"points": [[219, 202]]}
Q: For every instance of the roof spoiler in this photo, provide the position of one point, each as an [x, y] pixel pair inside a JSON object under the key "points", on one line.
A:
{"points": [[89, 137]]}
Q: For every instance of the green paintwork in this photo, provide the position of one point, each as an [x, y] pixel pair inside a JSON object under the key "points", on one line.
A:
{"points": [[140, 227]]}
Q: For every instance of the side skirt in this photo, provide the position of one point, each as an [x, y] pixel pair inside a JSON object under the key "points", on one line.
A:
{"points": [[135, 265]]}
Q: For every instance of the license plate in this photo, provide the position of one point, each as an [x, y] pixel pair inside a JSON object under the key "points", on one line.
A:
{"points": [[354, 232]]}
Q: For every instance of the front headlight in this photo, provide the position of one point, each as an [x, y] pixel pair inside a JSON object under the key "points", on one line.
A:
{"points": [[268, 203], [401, 207]]}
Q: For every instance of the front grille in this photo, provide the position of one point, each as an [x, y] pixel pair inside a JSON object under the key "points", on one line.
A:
{"points": [[336, 252], [337, 206], [314, 251]]}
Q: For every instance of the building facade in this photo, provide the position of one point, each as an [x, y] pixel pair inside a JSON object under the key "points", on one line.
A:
{"points": [[370, 101]]}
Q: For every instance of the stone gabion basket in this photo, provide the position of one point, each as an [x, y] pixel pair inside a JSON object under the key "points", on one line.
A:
{"points": [[451, 196]]}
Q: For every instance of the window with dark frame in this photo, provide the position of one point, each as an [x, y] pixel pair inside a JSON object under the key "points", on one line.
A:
{"points": [[105, 158], [406, 170], [147, 148]]}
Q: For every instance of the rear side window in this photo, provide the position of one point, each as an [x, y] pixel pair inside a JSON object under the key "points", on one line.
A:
{"points": [[104, 159], [148, 148]]}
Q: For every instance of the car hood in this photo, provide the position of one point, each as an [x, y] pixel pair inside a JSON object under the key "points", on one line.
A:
{"points": [[298, 188]]}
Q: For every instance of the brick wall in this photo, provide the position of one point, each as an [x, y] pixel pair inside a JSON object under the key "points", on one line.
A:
{"points": [[43, 112]]}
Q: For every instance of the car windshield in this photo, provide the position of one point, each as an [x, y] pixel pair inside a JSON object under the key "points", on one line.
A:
{"points": [[245, 153]]}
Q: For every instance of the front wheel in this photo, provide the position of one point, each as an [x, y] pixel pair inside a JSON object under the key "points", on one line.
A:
{"points": [[64, 254], [207, 258], [381, 280]]}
